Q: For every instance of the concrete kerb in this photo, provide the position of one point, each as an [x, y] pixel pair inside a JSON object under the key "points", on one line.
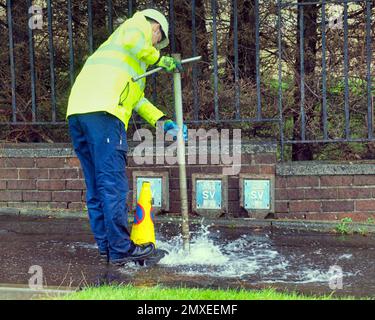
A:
{"points": [[17, 292], [301, 225]]}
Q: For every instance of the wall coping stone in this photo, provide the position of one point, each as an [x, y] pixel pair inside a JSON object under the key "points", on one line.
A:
{"points": [[45, 150], [296, 168], [320, 168]]}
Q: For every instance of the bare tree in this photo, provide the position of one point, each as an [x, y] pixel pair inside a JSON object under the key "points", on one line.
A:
{"points": [[246, 40], [309, 38]]}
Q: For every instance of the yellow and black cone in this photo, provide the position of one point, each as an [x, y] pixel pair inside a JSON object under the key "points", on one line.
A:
{"points": [[143, 229]]}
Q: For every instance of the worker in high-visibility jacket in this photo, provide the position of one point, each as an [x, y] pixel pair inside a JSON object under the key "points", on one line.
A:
{"points": [[100, 105]]}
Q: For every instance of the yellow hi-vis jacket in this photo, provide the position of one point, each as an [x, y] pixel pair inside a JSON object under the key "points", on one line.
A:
{"points": [[104, 83]]}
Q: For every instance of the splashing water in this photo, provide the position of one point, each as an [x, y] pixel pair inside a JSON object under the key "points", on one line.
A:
{"points": [[247, 257], [209, 255], [203, 251]]}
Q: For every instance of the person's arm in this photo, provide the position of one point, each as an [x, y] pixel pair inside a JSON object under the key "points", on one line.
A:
{"points": [[153, 115], [138, 42], [148, 111]]}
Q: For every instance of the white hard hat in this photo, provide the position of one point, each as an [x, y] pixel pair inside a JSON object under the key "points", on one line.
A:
{"points": [[161, 19]]}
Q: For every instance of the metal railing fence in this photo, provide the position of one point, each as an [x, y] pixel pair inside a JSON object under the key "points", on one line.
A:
{"points": [[282, 35]]}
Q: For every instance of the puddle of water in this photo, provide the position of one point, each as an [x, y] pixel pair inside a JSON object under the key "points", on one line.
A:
{"points": [[247, 257], [73, 246], [220, 257]]}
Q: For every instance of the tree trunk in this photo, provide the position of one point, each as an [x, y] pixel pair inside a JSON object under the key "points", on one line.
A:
{"points": [[246, 41], [99, 19], [21, 57], [310, 24], [183, 23]]}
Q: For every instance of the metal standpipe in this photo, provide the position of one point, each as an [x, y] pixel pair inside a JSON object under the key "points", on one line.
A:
{"points": [[180, 145], [181, 158]]}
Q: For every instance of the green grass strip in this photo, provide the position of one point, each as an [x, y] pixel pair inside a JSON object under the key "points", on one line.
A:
{"points": [[130, 292]]}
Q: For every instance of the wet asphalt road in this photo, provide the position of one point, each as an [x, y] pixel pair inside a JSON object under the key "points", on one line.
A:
{"points": [[65, 250]]}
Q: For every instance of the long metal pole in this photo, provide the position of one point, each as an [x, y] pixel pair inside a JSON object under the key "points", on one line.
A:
{"points": [[148, 73], [180, 145], [181, 157]]}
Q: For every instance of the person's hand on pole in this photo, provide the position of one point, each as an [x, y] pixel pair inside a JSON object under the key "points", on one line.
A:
{"points": [[169, 64], [171, 128]]}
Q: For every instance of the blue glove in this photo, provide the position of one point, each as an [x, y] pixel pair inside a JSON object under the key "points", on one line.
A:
{"points": [[172, 128]]}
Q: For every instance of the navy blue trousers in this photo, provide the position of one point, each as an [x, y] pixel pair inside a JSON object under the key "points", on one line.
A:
{"points": [[99, 140]]}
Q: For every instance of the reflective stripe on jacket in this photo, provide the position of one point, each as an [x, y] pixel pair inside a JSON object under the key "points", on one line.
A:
{"points": [[104, 83]]}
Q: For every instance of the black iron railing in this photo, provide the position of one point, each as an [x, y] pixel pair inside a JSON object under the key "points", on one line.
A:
{"points": [[287, 19]]}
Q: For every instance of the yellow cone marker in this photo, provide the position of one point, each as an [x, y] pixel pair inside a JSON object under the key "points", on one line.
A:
{"points": [[143, 229]]}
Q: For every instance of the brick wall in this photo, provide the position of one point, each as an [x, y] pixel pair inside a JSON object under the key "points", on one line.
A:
{"points": [[46, 182], [40, 177], [264, 163], [327, 192], [49, 176]]}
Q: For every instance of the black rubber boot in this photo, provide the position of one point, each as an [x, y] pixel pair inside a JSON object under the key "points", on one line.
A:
{"points": [[153, 259], [138, 252]]}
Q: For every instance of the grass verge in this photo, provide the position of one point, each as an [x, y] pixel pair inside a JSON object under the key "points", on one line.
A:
{"points": [[130, 292]]}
